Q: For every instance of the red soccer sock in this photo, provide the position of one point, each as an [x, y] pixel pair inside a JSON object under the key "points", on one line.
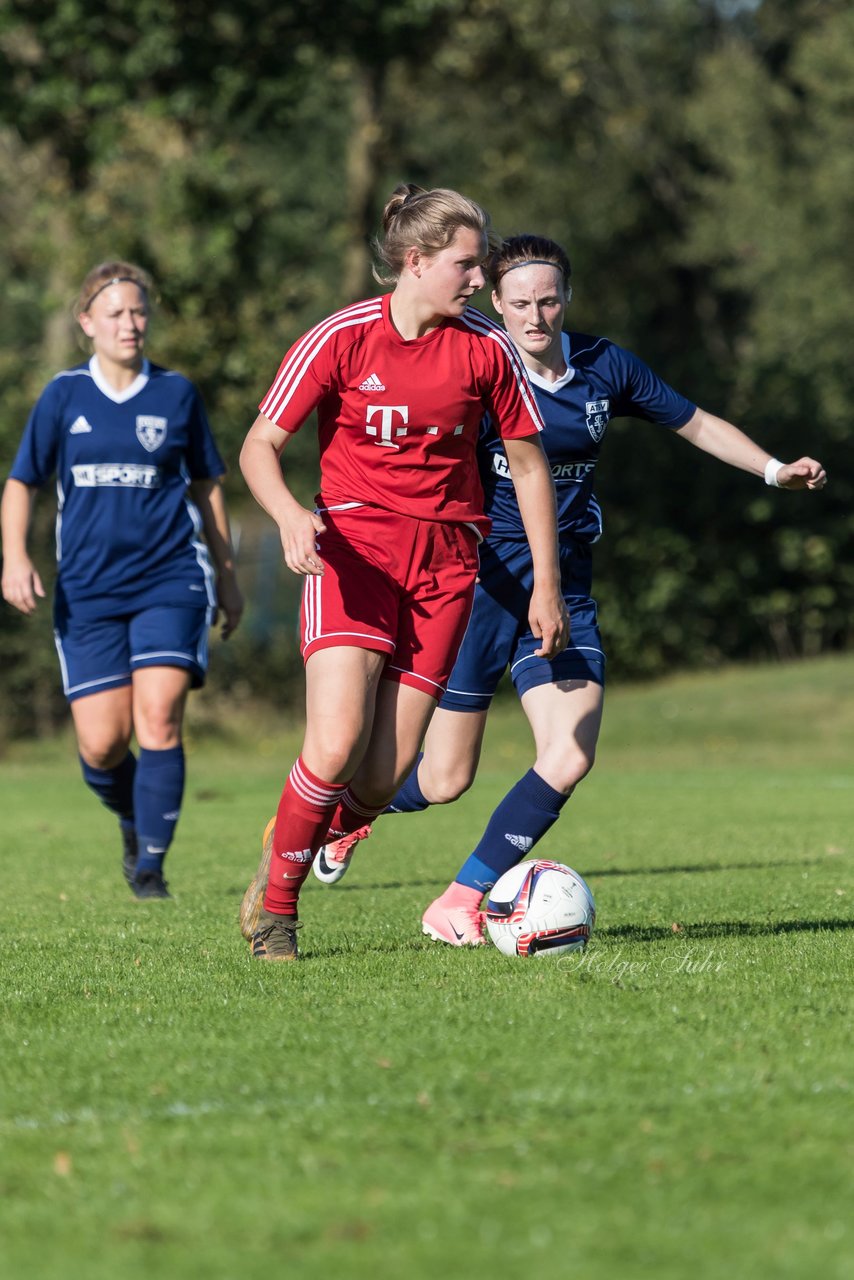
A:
{"points": [[352, 813], [302, 821]]}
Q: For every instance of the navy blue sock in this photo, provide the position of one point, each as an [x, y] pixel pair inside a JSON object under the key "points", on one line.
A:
{"points": [[114, 787], [410, 798], [522, 818], [157, 793]]}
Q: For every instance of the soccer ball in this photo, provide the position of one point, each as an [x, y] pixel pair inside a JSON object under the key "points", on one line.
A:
{"points": [[540, 908]]}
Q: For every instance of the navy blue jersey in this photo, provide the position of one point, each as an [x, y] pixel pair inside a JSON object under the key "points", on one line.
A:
{"points": [[126, 529], [602, 382]]}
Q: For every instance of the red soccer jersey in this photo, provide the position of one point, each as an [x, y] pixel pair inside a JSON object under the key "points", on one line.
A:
{"points": [[398, 421]]}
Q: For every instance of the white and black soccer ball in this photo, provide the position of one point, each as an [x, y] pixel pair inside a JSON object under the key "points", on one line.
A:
{"points": [[540, 908]]}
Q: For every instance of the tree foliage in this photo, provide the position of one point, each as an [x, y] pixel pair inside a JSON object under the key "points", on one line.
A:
{"points": [[694, 159]]}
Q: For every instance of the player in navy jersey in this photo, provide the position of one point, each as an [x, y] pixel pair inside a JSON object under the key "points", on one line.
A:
{"points": [[581, 382], [400, 385], [138, 480]]}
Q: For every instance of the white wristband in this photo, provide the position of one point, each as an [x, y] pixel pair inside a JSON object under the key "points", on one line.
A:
{"points": [[773, 467]]}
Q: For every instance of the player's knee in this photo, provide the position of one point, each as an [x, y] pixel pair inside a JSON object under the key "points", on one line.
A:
{"points": [[158, 731], [444, 786], [334, 762], [103, 753], [566, 769], [585, 763]]}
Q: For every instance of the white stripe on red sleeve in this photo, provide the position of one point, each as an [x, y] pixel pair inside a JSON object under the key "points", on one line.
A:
{"points": [[306, 349], [482, 324]]}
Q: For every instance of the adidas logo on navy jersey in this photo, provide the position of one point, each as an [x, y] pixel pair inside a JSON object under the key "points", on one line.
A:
{"points": [[78, 426], [524, 843], [371, 383]]}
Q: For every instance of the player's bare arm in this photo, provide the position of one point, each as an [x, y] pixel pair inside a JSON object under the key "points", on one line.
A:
{"points": [[535, 494], [21, 583], [209, 498], [261, 466], [726, 442]]}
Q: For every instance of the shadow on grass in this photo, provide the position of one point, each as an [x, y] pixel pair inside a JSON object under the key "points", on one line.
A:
{"points": [[701, 867], [347, 947], [364, 886], [365, 947], [720, 929]]}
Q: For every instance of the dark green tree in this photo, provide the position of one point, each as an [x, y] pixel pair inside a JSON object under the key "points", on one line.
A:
{"points": [[694, 159]]}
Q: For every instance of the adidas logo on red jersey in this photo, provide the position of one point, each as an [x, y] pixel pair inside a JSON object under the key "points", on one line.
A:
{"points": [[371, 383]]}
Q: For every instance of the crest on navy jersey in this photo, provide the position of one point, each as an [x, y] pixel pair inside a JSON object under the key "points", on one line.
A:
{"points": [[150, 431], [597, 417]]}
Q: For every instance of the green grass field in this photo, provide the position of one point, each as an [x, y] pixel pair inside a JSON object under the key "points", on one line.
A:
{"points": [[675, 1103]]}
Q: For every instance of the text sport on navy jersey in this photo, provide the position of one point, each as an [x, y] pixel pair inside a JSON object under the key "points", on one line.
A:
{"points": [[126, 529], [602, 381]]}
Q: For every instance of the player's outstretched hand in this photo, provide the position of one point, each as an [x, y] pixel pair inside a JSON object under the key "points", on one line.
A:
{"points": [[21, 584], [806, 473], [549, 622], [299, 541]]}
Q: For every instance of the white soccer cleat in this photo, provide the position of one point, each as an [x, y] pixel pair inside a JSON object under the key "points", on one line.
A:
{"points": [[458, 926], [333, 858]]}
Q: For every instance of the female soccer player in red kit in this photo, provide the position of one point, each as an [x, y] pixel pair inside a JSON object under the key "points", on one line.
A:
{"points": [[400, 384]]}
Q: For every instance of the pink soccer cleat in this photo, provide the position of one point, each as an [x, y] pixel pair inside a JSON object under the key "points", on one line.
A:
{"points": [[458, 926], [333, 858]]}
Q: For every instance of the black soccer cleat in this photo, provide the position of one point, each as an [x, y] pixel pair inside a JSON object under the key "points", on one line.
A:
{"points": [[130, 852], [150, 884]]}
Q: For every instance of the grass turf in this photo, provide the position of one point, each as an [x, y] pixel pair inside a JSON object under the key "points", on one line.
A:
{"points": [[674, 1102]]}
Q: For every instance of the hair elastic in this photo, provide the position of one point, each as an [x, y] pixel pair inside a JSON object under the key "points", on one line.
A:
{"points": [[115, 280], [534, 262]]}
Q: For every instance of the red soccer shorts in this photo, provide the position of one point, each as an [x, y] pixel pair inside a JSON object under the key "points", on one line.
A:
{"points": [[394, 584]]}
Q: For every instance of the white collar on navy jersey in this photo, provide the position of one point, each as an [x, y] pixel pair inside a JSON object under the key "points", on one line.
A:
{"points": [[560, 382], [119, 397]]}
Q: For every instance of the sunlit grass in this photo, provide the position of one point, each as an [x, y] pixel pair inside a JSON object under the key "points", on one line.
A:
{"points": [[674, 1102]]}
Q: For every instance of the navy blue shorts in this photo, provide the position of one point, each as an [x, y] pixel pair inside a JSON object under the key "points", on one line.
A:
{"points": [[101, 653], [498, 635]]}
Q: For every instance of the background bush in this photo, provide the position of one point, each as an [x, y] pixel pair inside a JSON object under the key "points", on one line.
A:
{"points": [[693, 158]]}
